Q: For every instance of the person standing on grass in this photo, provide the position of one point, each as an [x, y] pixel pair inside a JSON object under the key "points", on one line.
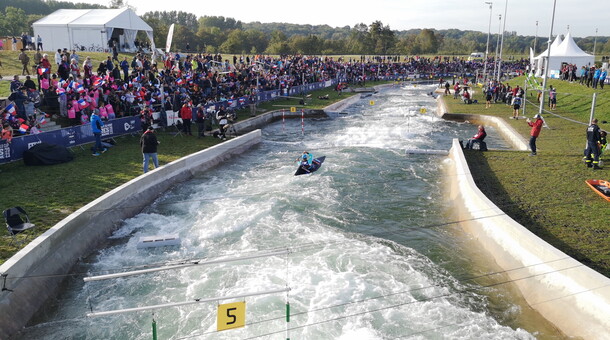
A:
{"points": [[516, 102], [535, 132], [149, 143], [25, 62], [552, 98], [96, 127], [186, 113], [592, 151]]}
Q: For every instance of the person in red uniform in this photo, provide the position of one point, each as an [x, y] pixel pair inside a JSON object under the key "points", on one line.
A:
{"points": [[536, 127], [477, 138], [186, 113]]}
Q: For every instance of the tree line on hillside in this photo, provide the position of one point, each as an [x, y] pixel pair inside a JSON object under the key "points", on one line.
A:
{"points": [[218, 34]]}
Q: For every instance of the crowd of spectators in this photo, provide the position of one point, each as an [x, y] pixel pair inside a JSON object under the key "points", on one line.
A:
{"points": [[590, 76], [72, 87]]}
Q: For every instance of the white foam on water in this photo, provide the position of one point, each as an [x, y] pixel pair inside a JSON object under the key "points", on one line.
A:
{"points": [[344, 284]]}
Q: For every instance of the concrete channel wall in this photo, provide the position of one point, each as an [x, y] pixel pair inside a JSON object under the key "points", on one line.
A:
{"points": [[34, 274], [575, 298]]}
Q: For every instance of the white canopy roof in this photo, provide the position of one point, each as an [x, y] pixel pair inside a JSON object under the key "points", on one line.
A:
{"points": [[91, 29], [569, 48], [562, 52], [118, 18], [554, 46]]}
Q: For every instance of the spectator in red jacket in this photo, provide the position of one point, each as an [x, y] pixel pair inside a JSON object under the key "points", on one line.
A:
{"points": [[536, 127], [186, 113]]}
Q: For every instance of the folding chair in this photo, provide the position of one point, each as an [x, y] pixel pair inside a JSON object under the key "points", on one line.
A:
{"points": [[17, 221]]}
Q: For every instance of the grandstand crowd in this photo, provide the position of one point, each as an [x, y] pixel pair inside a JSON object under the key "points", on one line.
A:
{"points": [[72, 87]]}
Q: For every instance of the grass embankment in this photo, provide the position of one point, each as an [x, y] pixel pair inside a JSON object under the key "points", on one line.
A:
{"points": [[50, 193], [547, 193]]}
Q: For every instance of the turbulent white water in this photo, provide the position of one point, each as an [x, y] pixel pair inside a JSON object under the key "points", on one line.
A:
{"points": [[371, 255]]}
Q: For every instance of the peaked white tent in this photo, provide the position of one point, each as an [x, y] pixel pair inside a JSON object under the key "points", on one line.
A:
{"points": [[91, 29], [562, 52]]}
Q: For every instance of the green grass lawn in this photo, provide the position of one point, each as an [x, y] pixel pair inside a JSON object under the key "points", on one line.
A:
{"points": [[547, 193]]}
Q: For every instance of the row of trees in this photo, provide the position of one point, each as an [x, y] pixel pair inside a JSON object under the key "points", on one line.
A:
{"points": [[226, 35]]}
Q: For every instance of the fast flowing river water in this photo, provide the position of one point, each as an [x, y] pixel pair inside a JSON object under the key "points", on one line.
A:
{"points": [[374, 250]]}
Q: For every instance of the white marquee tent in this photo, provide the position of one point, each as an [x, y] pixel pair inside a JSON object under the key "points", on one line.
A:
{"points": [[91, 29], [565, 51]]}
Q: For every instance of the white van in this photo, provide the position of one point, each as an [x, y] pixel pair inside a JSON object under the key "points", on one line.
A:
{"points": [[476, 56]]}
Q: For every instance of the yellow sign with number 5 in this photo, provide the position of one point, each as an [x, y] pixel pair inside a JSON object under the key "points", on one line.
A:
{"points": [[372, 102], [231, 315], [293, 109]]}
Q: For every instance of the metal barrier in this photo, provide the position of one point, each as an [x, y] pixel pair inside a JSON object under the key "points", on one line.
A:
{"points": [[68, 137]]}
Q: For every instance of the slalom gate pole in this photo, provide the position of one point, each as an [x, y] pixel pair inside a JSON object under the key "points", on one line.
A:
{"points": [[287, 319], [283, 120], [154, 328], [302, 122]]}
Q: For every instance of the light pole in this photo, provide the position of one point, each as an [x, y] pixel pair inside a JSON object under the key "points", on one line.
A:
{"points": [[536, 38], [502, 43], [487, 45], [594, 44], [548, 56], [497, 46]]}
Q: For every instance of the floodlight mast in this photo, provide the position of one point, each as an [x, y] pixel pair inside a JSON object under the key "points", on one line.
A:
{"points": [[502, 43], [487, 45], [548, 57]]}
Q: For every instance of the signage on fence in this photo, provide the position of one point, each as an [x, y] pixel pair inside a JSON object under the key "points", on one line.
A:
{"points": [[68, 137], [231, 315]]}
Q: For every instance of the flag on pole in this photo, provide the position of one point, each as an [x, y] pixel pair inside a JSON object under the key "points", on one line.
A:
{"points": [[179, 81], [42, 120], [98, 82], [23, 128], [60, 91], [42, 70], [80, 88], [82, 103], [10, 108]]}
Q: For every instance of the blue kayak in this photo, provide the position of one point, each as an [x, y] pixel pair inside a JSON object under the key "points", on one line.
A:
{"points": [[315, 165]]}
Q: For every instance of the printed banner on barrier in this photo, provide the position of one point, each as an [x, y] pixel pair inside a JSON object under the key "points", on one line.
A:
{"points": [[68, 137]]}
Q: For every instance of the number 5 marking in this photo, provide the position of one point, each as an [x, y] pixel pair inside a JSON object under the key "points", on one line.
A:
{"points": [[231, 315]]}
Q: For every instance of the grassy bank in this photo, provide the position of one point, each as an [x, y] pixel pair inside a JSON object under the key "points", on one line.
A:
{"points": [[50, 193], [547, 193]]}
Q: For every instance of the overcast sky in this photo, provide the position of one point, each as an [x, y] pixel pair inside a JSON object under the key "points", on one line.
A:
{"points": [[582, 16]]}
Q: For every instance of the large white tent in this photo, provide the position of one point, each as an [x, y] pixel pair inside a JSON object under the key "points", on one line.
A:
{"points": [[562, 52], [91, 29]]}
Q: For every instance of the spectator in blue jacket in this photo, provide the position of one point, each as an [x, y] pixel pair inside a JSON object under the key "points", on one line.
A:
{"points": [[602, 78], [96, 127], [596, 76]]}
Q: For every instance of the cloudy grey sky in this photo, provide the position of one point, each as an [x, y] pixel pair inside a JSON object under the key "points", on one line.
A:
{"points": [[582, 16]]}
